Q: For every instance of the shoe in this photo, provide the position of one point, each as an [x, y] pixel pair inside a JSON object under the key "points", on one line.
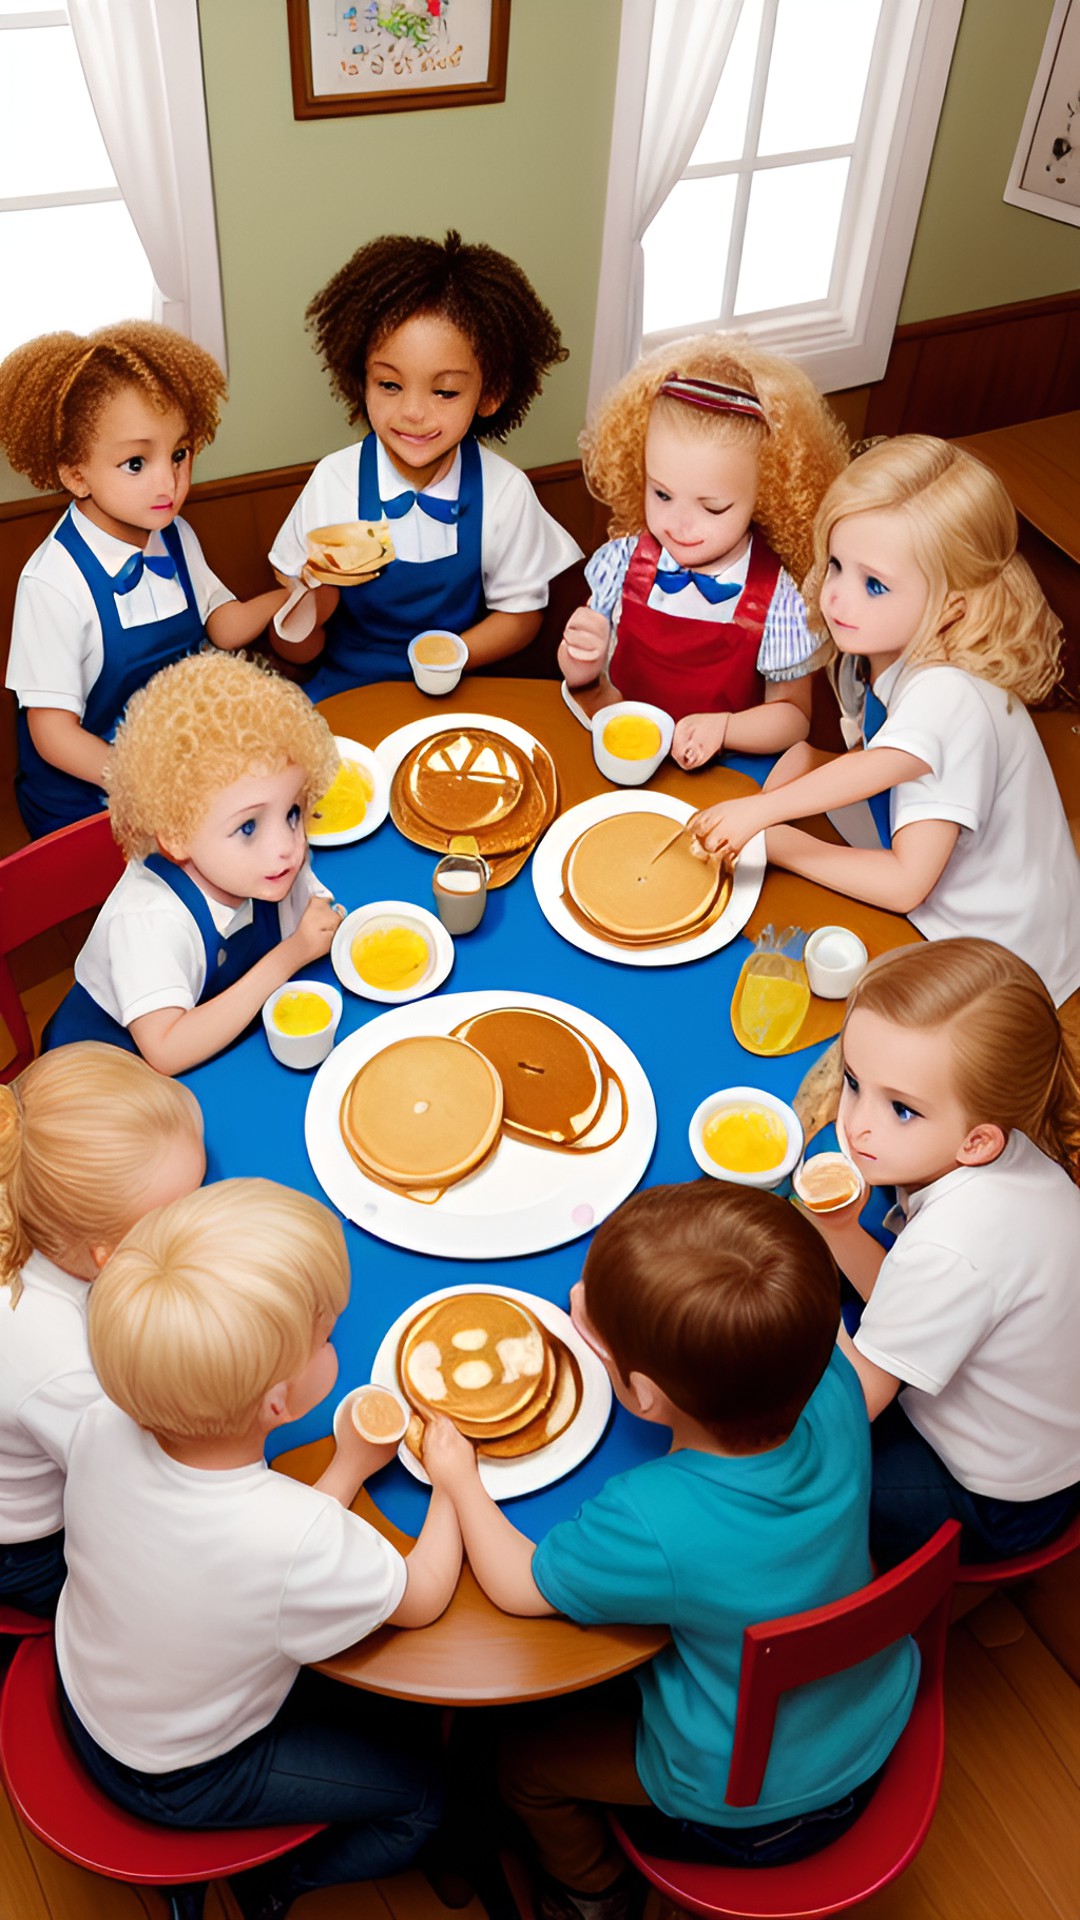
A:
{"points": [[623, 1900]]}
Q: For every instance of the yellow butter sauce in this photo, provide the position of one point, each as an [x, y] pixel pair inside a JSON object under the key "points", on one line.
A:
{"points": [[390, 958], [301, 1013], [745, 1139], [632, 736], [345, 803]]}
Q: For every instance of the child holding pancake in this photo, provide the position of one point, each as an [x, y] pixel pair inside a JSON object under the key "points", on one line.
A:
{"points": [[959, 1093], [211, 777], [120, 587], [435, 346], [90, 1140], [715, 1314], [942, 634], [724, 452], [200, 1584]]}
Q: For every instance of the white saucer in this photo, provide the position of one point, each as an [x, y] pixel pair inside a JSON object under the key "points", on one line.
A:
{"points": [[440, 947]]}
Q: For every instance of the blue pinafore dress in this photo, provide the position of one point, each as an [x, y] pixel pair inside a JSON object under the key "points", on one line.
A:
{"points": [[49, 798], [368, 635], [79, 1017]]}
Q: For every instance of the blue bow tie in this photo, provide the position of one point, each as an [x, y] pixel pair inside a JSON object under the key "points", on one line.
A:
{"points": [[436, 509], [131, 572], [674, 579], [875, 714]]}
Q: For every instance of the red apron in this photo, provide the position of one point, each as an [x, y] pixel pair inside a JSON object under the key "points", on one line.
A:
{"points": [[692, 666]]}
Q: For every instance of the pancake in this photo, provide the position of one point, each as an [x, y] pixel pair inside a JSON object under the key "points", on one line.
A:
{"points": [[423, 1112], [553, 1080], [614, 878], [552, 1420], [480, 1358], [472, 782], [354, 551]]}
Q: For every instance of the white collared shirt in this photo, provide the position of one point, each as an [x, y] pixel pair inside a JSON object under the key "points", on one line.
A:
{"points": [[46, 1383]]}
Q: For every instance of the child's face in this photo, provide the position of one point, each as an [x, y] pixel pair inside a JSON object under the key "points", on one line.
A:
{"points": [[250, 843], [136, 476], [899, 1108], [874, 595], [422, 391], [699, 495]]}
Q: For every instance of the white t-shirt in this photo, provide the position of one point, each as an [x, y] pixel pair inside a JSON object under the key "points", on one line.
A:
{"points": [[194, 1597], [46, 1383], [144, 950], [521, 546], [56, 648], [977, 1308], [1013, 875]]}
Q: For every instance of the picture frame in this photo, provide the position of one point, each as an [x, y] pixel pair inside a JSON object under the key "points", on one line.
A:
{"points": [[396, 56], [1045, 173]]}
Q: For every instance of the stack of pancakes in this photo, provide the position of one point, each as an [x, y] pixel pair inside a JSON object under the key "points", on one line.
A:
{"points": [[427, 1111], [349, 554], [623, 881], [506, 1381], [470, 782]]}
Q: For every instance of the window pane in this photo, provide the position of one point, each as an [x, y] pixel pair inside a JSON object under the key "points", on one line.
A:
{"points": [[53, 271], [64, 150], [724, 131], [817, 74], [790, 238], [686, 250]]}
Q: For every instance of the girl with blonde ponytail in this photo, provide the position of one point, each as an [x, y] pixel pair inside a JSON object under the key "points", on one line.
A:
{"points": [[941, 637], [959, 1092], [91, 1139]]}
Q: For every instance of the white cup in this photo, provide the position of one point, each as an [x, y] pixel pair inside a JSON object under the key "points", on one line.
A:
{"points": [[432, 677], [630, 773], [746, 1097], [302, 1050], [345, 1414], [815, 1177], [835, 961]]}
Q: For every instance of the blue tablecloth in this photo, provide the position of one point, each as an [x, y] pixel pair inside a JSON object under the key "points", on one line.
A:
{"points": [[676, 1020]]}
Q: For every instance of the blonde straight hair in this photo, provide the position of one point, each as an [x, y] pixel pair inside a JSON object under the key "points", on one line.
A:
{"points": [[1010, 1064], [81, 1132], [211, 1301]]}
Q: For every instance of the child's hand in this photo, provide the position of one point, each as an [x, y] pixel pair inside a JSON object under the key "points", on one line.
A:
{"points": [[585, 645], [364, 1457], [447, 1456], [319, 923], [725, 829], [698, 738]]}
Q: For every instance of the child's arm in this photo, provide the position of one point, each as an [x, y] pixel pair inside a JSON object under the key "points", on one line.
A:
{"points": [[64, 742], [726, 828], [781, 721], [433, 1566], [172, 1039], [500, 634], [898, 878], [236, 622], [500, 1556], [879, 1387], [857, 1254], [584, 647]]}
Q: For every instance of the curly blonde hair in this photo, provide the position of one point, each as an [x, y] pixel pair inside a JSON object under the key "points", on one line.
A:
{"points": [[195, 728], [81, 1130], [800, 453], [53, 388], [963, 533]]}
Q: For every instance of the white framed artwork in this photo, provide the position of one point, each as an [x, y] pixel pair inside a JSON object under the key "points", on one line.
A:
{"points": [[1045, 173]]}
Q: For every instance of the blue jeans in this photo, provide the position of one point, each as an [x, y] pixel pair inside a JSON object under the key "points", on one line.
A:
{"points": [[331, 1753], [32, 1573], [914, 1494]]}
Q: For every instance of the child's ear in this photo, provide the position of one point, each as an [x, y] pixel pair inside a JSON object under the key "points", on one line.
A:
{"points": [[73, 481], [174, 850], [490, 402], [99, 1255], [982, 1144], [954, 609], [275, 1404]]}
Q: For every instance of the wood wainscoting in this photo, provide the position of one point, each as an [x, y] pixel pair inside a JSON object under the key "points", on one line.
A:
{"points": [[967, 372]]}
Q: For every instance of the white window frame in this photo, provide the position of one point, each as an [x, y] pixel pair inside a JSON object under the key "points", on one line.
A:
{"points": [[843, 340]]}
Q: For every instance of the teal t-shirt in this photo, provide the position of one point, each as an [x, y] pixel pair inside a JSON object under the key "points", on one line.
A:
{"points": [[706, 1545]]}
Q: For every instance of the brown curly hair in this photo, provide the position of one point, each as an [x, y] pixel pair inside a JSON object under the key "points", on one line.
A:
{"points": [[53, 388], [481, 292], [963, 532], [801, 452], [195, 728]]}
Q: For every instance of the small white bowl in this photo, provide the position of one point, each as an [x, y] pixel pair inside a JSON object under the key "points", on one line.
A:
{"points": [[397, 913], [746, 1097], [835, 961], [630, 773], [302, 1050], [821, 1162], [343, 1419], [434, 679]]}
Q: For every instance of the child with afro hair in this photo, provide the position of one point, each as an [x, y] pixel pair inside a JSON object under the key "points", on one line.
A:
{"points": [[120, 586], [432, 345]]}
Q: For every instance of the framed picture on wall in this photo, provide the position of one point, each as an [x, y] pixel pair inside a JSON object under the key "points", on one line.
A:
{"points": [[1045, 174], [394, 56]]}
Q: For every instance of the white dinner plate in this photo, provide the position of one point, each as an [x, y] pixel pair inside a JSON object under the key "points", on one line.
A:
{"points": [[505, 1478], [378, 805], [523, 1199], [547, 878], [439, 942]]}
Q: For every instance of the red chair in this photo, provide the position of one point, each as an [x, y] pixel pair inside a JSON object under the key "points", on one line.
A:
{"points": [[14, 1623], [59, 1802], [780, 1654], [41, 886], [1000, 1573]]}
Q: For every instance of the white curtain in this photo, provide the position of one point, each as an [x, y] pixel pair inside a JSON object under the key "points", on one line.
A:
{"points": [[143, 66], [671, 57]]}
